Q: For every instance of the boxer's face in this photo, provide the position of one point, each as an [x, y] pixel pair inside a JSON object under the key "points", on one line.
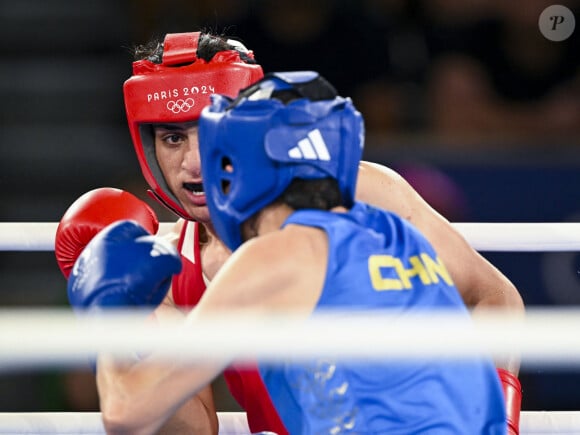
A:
{"points": [[177, 152]]}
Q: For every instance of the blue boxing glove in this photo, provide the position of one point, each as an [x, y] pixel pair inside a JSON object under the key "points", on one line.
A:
{"points": [[122, 266]]}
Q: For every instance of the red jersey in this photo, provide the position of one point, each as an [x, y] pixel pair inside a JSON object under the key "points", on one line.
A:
{"points": [[245, 384]]}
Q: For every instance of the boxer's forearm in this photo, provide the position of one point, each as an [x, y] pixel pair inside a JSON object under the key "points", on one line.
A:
{"points": [[146, 396]]}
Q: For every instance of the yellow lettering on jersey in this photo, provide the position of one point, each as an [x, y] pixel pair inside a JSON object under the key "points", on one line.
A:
{"points": [[376, 263], [436, 269], [424, 267], [417, 269]]}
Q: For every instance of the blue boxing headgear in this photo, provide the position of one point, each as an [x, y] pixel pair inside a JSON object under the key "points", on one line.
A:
{"points": [[254, 146]]}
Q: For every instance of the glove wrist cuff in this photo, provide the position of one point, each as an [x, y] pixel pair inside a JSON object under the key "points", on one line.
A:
{"points": [[512, 391]]}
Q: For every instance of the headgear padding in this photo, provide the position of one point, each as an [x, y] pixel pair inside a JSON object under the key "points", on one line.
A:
{"points": [[253, 147], [176, 90]]}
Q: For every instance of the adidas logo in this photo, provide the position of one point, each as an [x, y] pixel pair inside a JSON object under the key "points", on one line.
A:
{"points": [[310, 148]]}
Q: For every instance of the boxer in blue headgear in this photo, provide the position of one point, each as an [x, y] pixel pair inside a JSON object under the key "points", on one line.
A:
{"points": [[279, 166], [287, 126], [280, 162]]}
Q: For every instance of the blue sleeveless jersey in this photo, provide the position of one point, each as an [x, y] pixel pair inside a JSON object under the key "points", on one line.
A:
{"points": [[380, 261]]}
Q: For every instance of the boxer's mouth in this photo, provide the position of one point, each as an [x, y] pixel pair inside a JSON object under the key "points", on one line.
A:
{"points": [[195, 188]]}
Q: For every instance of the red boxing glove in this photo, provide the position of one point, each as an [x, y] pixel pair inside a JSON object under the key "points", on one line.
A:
{"points": [[92, 212], [512, 391]]}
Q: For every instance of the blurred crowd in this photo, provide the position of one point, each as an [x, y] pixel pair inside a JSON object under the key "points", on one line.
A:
{"points": [[463, 72]]}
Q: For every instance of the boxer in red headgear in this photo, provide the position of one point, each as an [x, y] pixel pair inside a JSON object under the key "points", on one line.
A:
{"points": [[163, 101], [175, 90], [172, 82]]}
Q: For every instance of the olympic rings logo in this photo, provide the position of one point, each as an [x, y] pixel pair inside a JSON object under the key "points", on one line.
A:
{"points": [[180, 105]]}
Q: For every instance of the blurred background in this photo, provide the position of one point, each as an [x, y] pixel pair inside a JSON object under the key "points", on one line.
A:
{"points": [[465, 98]]}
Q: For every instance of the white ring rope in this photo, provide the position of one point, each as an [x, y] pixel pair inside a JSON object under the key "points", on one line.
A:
{"points": [[48, 337], [235, 423], [74, 423], [44, 337], [530, 237]]}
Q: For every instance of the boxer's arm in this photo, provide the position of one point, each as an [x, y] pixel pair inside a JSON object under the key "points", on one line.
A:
{"points": [[124, 266], [154, 396], [198, 414], [82, 221], [117, 383], [480, 284], [245, 273]]}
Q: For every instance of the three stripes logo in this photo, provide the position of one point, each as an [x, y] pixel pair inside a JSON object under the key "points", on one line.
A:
{"points": [[311, 147]]}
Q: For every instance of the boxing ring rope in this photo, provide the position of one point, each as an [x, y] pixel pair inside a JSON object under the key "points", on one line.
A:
{"points": [[89, 423], [55, 337], [511, 237], [51, 337], [234, 423], [46, 336]]}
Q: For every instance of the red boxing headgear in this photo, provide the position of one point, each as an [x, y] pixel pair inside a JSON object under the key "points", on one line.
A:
{"points": [[176, 90]]}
